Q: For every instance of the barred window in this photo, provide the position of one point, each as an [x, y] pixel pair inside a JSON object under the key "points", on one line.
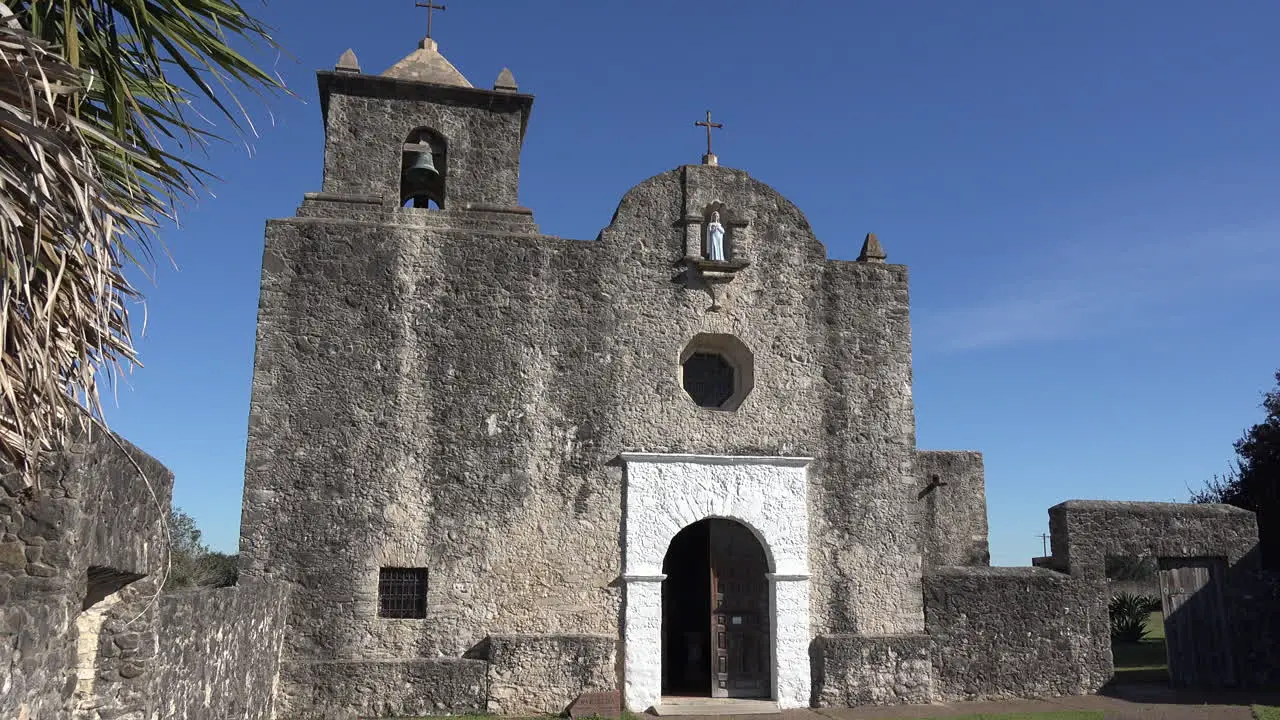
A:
{"points": [[402, 593], [717, 371], [708, 378]]}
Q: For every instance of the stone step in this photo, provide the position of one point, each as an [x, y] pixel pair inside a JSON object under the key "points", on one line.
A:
{"points": [[681, 706]]}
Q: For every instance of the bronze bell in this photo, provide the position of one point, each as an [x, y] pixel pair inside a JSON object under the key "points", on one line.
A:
{"points": [[420, 171]]}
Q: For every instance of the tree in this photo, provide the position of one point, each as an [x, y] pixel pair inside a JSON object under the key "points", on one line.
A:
{"points": [[217, 569], [191, 563], [1254, 482], [97, 98]]}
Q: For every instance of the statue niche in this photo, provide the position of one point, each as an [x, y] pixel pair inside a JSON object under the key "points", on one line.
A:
{"points": [[712, 257]]}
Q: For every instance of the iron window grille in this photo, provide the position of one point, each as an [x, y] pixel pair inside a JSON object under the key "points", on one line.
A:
{"points": [[709, 379], [402, 593]]}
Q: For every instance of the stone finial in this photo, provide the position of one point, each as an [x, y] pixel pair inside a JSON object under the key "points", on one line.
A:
{"points": [[348, 62], [506, 82], [872, 252]]}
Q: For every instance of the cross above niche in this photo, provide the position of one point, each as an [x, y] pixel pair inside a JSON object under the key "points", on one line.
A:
{"points": [[709, 158]]}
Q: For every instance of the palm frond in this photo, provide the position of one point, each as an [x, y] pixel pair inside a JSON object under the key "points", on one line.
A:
{"points": [[98, 105]]}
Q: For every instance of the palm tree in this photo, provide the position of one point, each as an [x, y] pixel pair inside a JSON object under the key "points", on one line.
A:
{"points": [[97, 98]]}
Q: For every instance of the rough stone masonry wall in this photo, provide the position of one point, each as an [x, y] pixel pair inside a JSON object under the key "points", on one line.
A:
{"points": [[1015, 632], [853, 670], [953, 514], [466, 392], [1085, 532], [1254, 599], [347, 690], [367, 121], [200, 653], [217, 653], [91, 527], [83, 554], [534, 674], [119, 653]]}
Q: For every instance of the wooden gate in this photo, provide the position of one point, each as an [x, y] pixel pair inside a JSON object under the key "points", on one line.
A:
{"points": [[740, 652], [1195, 627]]}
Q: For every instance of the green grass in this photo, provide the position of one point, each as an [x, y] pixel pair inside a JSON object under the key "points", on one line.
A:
{"points": [[1145, 661], [1266, 712], [442, 717], [626, 715], [1155, 626], [1068, 715]]}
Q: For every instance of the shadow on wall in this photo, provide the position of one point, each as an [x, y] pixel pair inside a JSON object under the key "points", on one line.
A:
{"points": [[1221, 609], [80, 561], [1222, 635]]}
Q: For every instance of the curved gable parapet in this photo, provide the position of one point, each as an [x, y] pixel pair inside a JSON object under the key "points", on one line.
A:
{"points": [[673, 210], [659, 192]]}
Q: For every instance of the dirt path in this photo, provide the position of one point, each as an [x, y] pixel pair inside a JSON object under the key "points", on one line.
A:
{"points": [[1134, 703], [1111, 708]]}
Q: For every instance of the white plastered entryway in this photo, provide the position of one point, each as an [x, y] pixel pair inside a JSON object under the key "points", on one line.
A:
{"points": [[665, 493]]}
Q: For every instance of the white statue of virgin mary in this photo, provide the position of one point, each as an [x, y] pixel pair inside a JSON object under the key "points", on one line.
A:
{"points": [[715, 238]]}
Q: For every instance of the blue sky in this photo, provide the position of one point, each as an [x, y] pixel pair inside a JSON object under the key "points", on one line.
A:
{"points": [[1085, 193]]}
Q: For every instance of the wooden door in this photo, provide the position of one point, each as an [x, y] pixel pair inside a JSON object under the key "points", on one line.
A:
{"points": [[1194, 623], [740, 652]]}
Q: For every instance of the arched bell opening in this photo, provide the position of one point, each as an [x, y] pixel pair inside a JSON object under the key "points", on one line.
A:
{"points": [[715, 613], [423, 166]]}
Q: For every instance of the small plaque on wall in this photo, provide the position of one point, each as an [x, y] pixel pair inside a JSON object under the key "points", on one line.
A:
{"points": [[597, 704]]}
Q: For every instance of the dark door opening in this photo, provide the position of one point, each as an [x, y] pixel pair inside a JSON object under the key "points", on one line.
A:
{"points": [[686, 601], [715, 613]]}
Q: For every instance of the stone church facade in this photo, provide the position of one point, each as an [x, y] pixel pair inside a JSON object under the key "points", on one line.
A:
{"points": [[500, 469]]}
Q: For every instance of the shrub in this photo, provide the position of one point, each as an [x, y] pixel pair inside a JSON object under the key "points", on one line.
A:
{"points": [[1129, 616]]}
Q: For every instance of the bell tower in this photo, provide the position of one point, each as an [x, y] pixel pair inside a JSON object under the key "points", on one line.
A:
{"points": [[420, 135]]}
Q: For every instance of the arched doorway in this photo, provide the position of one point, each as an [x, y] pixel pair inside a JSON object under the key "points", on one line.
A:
{"points": [[664, 493], [715, 613]]}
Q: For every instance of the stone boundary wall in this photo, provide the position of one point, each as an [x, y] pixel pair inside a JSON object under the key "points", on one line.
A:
{"points": [[1015, 632], [852, 670], [953, 516], [118, 656], [1254, 601], [199, 654], [82, 631], [90, 527], [351, 689], [218, 653], [1084, 532], [544, 674]]}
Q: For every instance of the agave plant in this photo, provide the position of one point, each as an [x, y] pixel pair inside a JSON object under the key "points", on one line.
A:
{"points": [[1129, 616], [91, 123]]}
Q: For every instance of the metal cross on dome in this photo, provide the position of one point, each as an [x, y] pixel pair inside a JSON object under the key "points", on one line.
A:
{"points": [[430, 7], [709, 126]]}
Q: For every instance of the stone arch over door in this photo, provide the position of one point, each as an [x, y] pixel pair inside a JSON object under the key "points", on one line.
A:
{"points": [[663, 494]]}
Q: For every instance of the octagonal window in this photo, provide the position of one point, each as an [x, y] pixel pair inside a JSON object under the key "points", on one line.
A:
{"points": [[716, 371]]}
